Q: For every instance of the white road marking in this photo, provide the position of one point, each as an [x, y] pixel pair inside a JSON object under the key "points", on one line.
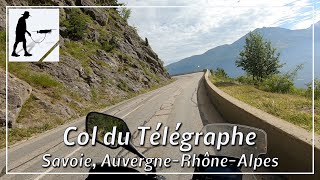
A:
{"points": [[51, 168], [153, 97], [132, 111], [131, 104]]}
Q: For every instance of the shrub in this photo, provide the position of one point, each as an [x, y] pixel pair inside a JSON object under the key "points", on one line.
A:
{"points": [[125, 13], [281, 83], [278, 84], [308, 92], [220, 78], [107, 46], [75, 24], [246, 80], [221, 73]]}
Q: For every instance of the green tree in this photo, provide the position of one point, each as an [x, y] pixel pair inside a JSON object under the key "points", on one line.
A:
{"points": [[258, 58]]}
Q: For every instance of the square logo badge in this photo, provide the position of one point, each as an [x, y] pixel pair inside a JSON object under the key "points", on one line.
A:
{"points": [[33, 35]]}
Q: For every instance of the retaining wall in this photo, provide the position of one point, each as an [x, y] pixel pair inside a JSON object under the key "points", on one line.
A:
{"points": [[291, 144]]}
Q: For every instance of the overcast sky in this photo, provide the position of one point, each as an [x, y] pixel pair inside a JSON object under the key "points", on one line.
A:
{"points": [[178, 32]]}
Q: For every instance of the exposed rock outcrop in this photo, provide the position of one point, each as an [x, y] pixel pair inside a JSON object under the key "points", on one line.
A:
{"points": [[99, 15], [18, 92], [107, 65]]}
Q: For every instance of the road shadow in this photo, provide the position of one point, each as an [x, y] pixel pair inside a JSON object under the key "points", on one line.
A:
{"points": [[208, 113]]}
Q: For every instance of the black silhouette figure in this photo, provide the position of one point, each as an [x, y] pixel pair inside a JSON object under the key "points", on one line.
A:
{"points": [[21, 29]]}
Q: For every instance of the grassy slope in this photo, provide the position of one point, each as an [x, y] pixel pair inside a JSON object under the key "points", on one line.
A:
{"points": [[293, 108], [52, 88]]}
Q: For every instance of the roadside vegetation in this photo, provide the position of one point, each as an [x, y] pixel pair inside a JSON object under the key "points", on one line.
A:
{"points": [[38, 121], [53, 88], [292, 107], [265, 88], [18, 134]]}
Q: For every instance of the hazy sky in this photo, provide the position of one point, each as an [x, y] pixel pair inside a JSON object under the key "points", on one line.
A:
{"points": [[178, 32]]}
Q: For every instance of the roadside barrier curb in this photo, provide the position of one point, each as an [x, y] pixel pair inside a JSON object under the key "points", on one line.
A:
{"points": [[290, 143]]}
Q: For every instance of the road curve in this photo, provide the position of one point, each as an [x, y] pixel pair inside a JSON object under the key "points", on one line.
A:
{"points": [[182, 101]]}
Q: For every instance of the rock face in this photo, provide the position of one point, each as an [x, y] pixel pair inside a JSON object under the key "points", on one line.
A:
{"points": [[5, 3], [109, 64], [18, 92], [97, 14]]}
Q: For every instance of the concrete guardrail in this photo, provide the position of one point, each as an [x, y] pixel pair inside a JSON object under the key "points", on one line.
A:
{"points": [[185, 73], [290, 143]]}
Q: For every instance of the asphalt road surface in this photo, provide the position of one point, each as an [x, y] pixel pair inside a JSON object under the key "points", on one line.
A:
{"points": [[181, 101]]}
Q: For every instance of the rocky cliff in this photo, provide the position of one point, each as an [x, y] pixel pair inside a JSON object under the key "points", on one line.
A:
{"points": [[107, 63]]}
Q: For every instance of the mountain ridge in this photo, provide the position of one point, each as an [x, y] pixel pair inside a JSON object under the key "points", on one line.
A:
{"points": [[295, 48]]}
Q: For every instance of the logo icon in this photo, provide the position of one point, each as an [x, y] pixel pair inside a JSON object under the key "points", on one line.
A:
{"points": [[33, 35]]}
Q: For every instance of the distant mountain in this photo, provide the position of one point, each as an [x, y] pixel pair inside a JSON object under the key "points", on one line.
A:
{"points": [[295, 47]]}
